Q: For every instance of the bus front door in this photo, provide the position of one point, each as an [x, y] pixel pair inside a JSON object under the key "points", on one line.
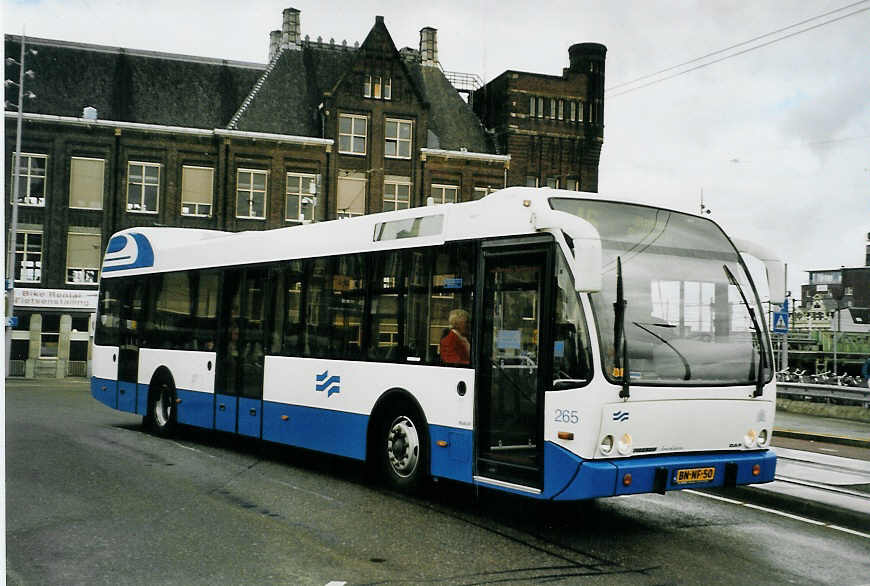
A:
{"points": [[509, 446]]}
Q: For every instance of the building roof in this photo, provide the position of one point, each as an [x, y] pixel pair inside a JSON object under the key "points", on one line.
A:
{"points": [[281, 97]]}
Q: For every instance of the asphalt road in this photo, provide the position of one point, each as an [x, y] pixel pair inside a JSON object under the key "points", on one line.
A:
{"points": [[91, 498]]}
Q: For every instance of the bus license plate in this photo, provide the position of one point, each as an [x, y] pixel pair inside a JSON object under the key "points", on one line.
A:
{"points": [[693, 475]]}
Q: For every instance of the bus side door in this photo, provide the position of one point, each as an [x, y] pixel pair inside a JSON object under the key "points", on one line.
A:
{"points": [[241, 354]]}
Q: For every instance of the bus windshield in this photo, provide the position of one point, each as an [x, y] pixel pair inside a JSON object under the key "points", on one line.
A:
{"points": [[685, 319]]}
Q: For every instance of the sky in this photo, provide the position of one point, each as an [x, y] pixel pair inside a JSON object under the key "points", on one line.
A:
{"points": [[777, 139]]}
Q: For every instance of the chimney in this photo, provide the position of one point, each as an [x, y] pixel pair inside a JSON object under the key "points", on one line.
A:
{"points": [[429, 46], [291, 30], [89, 113], [274, 44]]}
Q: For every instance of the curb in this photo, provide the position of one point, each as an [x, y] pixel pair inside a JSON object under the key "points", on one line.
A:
{"points": [[823, 438], [832, 514]]}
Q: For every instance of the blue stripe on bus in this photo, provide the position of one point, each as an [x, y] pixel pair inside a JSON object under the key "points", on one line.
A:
{"points": [[333, 432], [126, 396], [142, 399], [195, 408], [250, 414], [105, 391], [454, 460]]}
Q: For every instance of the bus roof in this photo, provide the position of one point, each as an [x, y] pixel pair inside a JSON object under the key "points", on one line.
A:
{"points": [[505, 212]]}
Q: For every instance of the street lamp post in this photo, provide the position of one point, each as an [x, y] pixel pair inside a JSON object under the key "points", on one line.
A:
{"points": [[837, 294], [16, 182]]}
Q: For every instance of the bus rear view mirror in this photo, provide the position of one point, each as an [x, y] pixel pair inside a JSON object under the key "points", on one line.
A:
{"points": [[773, 265], [587, 247]]}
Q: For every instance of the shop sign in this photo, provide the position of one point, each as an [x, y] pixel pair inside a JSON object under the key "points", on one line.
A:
{"points": [[57, 298]]}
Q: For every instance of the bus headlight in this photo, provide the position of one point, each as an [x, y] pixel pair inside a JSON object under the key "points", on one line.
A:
{"points": [[749, 438], [606, 444], [762, 438], [624, 445]]}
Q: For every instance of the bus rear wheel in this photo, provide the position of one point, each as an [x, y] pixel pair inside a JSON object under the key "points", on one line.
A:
{"points": [[404, 453], [161, 409]]}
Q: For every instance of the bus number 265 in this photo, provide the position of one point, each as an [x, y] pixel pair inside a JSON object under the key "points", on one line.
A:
{"points": [[566, 416]]}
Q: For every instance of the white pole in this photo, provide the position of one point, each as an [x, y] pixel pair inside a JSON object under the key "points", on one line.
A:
{"points": [[13, 224]]}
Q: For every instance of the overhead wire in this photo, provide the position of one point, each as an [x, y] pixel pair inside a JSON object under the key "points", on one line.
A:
{"points": [[738, 53]]}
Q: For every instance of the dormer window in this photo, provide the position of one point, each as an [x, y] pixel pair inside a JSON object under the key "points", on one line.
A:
{"points": [[377, 87]]}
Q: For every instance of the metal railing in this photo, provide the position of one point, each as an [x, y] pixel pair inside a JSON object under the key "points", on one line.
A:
{"points": [[844, 395], [16, 368], [77, 368]]}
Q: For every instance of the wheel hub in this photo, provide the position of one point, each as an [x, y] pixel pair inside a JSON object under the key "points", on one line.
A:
{"points": [[403, 446]]}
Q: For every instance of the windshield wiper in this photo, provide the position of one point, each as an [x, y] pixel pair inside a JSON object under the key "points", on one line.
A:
{"points": [[762, 362], [620, 367], [687, 374]]}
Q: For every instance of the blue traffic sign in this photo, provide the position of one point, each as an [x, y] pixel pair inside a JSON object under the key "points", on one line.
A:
{"points": [[780, 322]]}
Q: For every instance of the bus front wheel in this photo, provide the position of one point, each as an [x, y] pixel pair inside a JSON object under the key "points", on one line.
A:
{"points": [[161, 409], [404, 454]]}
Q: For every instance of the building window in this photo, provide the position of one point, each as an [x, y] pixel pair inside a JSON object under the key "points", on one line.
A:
{"points": [[82, 258], [540, 107], [531, 181], [197, 189], [352, 134], [28, 257], [481, 192], [301, 191], [31, 179], [553, 182], [143, 185], [573, 183], [86, 183], [397, 193], [398, 139], [351, 195], [445, 193], [552, 108], [532, 103], [251, 194], [374, 86], [572, 111], [561, 109]]}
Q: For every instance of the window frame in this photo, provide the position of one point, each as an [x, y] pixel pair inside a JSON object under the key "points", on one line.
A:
{"points": [[352, 135], [96, 269], [398, 139], [339, 214], [17, 269], [251, 192], [444, 187], [102, 185], [300, 217], [395, 183], [143, 184], [27, 177], [196, 205]]}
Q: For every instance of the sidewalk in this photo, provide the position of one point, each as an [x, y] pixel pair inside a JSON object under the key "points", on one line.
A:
{"points": [[822, 429]]}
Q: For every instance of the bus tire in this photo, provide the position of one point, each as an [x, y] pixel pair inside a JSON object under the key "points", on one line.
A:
{"points": [[162, 413], [402, 444]]}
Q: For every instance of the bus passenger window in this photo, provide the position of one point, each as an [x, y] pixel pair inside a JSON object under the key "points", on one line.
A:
{"points": [[572, 356], [416, 304], [388, 288], [451, 289]]}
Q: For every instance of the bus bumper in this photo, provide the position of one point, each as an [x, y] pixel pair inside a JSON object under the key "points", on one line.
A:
{"points": [[601, 478]]}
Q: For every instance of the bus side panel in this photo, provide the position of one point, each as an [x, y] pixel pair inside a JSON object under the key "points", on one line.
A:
{"points": [[105, 391], [250, 416], [126, 396], [225, 412], [195, 408], [452, 460], [142, 399], [104, 383], [333, 432], [193, 376]]}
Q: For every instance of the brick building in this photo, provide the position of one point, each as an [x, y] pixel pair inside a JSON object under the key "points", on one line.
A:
{"points": [[120, 138]]}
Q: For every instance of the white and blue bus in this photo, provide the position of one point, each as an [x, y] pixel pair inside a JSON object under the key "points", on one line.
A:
{"points": [[612, 348]]}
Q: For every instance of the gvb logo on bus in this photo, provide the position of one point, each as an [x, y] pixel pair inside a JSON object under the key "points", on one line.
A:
{"points": [[620, 416], [330, 384]]}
